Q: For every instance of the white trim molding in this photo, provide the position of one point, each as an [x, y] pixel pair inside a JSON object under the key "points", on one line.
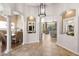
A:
{"points": [[67, 49]]}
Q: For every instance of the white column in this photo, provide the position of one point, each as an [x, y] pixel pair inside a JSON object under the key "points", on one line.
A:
{"points": [[8, 46], [40, 32], [24, 30]]}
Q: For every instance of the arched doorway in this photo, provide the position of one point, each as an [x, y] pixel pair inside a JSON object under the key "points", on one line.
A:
{"points": [[16, 31], [49, 27], [3, 32]]}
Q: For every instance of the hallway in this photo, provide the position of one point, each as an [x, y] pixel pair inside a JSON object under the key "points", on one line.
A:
{"points": [[48, 47]]}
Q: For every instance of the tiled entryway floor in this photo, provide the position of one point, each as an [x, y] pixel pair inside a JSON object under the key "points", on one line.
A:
{"points": [[48, 47]]}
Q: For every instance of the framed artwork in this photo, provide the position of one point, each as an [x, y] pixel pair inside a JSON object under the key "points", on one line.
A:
{"points": [[68, 22], [68, 26]]}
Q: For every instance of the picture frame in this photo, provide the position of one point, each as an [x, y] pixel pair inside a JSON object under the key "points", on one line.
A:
{"points": [[31, 24], [68, 26]]}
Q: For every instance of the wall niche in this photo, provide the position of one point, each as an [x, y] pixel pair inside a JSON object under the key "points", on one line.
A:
{"points": [[68, 22]]}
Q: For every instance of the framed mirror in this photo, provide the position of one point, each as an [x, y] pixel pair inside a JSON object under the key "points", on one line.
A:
{"points": [[31, 24]]}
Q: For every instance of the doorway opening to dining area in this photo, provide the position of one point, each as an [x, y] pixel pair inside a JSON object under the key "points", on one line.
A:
{"points": [[16, 33], [3, 32]]}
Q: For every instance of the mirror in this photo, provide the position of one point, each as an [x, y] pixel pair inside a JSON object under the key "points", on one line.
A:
{"points": [[31, 26]]}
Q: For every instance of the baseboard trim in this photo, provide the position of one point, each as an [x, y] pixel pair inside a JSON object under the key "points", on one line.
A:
{"points": [[30, 42], [67, 49]]}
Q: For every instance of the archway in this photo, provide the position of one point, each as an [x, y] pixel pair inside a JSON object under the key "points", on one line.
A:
{"points": [[49, 27], [16, 31], [3, 33], [11, 28]]}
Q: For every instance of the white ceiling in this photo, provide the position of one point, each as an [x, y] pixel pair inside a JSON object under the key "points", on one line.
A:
{"points": [[33, 4], [28, 4], [38, 4]]}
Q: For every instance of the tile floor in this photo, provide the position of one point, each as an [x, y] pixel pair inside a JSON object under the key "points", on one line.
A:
{"points": [[47, 47]]}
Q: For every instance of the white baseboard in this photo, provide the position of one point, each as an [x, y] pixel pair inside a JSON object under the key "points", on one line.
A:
{"points": [[30, 42], [6, 51], [23, 43], [67, 49]]}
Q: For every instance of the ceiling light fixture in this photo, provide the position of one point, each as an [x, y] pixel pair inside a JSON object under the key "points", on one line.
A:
{"points": [[42, 10]]}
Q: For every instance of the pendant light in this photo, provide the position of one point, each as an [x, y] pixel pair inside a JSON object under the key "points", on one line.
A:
{"points": [[42, 10]]}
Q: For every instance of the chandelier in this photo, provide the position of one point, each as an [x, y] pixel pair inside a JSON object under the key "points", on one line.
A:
{"points": [[42, 10]]}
